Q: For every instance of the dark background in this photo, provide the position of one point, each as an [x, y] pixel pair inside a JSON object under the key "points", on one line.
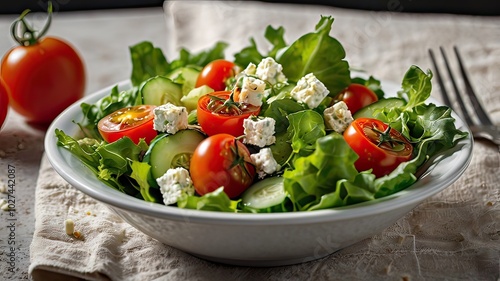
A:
{"points": [[476, 7]]}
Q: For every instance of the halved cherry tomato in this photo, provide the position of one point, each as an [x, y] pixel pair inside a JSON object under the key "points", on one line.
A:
{"points": [[44, 74], [135, 122], [4, 101], [378, 146], [357, 96], [221, 160], [217, 114], [215, 74]]}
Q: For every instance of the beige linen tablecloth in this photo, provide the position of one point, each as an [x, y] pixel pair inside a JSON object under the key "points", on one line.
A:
{"points": [[454, 235]]}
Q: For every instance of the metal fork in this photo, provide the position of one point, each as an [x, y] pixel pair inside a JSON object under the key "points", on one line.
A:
{"points": [[484, 127]]}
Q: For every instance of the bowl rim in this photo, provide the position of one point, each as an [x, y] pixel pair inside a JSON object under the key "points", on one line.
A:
{"points": [[410, 196]]}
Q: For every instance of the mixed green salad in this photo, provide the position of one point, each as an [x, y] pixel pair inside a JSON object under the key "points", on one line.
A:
{"points": [[310, 134]]}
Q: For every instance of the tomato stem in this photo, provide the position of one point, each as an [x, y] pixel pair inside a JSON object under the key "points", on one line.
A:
{"points": [[24, 34], [226, 105], [238, 159], [386, 138]]}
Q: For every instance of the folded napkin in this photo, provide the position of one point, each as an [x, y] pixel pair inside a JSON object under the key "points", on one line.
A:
{"points": [[453, 235]]}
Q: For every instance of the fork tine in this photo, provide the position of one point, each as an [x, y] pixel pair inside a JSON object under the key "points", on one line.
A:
{"points": [[481, 114], [444, 93], [461, 103]]}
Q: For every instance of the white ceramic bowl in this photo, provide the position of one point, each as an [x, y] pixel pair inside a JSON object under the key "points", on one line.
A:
{"points": [[256, 239]]}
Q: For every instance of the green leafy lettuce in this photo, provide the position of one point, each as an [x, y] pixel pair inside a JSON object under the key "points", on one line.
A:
{"points": [[316, 52]]}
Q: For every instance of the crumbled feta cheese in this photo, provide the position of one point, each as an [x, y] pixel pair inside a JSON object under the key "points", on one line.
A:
{"points": [[173, 183], [338, 117], [309, 90], [252, 91], [259, 131], [170, 118], [270, 71], [264, 162], [251, 69]]}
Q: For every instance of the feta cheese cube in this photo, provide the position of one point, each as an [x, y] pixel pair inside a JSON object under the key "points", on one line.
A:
{"points": [[337, 117], [259, 131], [252, 91], [264, 162], [170, 118], [174, 183], [309, 90], [270, 71]]}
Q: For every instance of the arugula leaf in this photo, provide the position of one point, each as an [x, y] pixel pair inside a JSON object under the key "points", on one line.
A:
{"points": [[320, 54]]}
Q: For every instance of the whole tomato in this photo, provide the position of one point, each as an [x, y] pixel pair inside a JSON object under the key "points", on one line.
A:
{"points": [[221, 160], [215, 74], [218, 113], [379, 147], [357, 96], [4, 101], [44, 74]]}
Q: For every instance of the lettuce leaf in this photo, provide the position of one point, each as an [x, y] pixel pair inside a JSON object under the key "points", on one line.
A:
{"points": [[315, 175], [110, 162], [216, 200]]}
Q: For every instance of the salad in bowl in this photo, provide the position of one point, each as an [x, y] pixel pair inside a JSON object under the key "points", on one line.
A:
{"points": [[291, 129]]}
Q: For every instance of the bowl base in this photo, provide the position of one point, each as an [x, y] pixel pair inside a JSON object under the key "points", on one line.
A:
{"points": [[261, 262]]}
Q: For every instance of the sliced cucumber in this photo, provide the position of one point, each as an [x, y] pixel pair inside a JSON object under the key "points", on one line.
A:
{"points": [[190, 101], [186, 76], [370, 110], [265, 193], [160, 90], [172, 151]]}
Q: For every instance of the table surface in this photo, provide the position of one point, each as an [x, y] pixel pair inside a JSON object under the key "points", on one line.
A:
{"points": [[102, 38]]}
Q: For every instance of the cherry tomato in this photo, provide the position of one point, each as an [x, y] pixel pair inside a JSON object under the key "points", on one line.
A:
{"points": [[218, 114], [4, 101], [221, 160], [378, 146], [357, 96], [215, 74], [45, 75], [135, 122]]}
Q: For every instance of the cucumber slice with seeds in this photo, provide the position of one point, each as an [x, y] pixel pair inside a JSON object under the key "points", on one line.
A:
{"points": [[173, 151], [160, 90], [266, 193]]}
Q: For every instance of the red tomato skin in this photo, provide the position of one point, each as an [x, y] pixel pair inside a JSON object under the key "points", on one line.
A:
{"points": [[211, 162], [215, 74], [144, 129], [370, 155], [43, 78], [4, 101], [213, 123], [357, 96]]}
